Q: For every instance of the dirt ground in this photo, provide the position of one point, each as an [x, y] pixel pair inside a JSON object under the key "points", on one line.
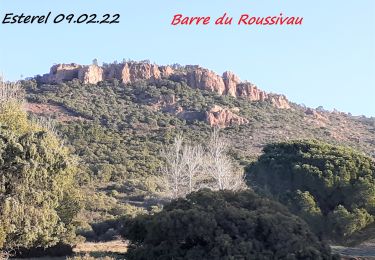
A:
{"points": [[364, 251]]}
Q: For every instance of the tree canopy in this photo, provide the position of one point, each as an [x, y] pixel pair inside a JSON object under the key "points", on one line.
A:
{"points": [[37, 197], [222, 225], [331, 187]]}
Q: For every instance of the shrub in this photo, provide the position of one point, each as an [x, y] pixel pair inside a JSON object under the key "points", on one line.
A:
{"points": [[38, 200], [331, 187], [222, 225]]}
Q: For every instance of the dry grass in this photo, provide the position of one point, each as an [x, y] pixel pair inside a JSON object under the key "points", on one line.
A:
{"points": [[88, 257], [59, 113], [102, 250], [116, 246], [112, 250]]}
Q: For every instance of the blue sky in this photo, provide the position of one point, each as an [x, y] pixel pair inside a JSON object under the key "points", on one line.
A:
{"points": [[328, 61]]}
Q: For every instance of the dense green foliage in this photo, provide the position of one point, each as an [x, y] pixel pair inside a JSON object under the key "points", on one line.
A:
{"points": [[222, 225], [117, 131], [331, 187], [122, 126], [37, 197]]}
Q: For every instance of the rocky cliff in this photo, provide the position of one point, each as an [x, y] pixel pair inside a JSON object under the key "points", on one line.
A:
{"points": [[223, 117], [194, 76], [215, 116]]}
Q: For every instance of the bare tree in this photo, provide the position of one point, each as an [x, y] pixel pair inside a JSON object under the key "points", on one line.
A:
{"points": [[10, 92], [193, 160], [220, 167], [173, 169], [190, 167]]}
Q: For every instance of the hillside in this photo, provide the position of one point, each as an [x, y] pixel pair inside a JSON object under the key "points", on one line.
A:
{"points": [[116, 117]]}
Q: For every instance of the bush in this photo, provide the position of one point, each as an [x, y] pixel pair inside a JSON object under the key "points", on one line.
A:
{"points": [[38, 200], [331, 187], [222, 225]]}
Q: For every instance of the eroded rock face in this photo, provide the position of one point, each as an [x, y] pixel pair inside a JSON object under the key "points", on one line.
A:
{"points": [[61, 72], [166, 71], [195, 76], [231, 81], [114, 71], [137, 71], [205, 79], [279, 101], [251, 92], [313, 116], [90, 74], [132, 72], [223, 117]]}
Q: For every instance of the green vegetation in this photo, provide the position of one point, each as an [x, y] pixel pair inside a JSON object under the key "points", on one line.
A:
{"points": [[38, 201], [222, 225], [117, 133], [331, 187], [118, 130]]}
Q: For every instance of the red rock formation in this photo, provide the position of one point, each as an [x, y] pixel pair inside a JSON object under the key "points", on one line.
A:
{"points": [[279, 101], [90, 74], [251, 92], [315, 114], [195, 76], [62, 72], [223, 117], [114, 71], [317, 118], [139, 71], [205, 79], [231, 81], [133, 72], [165, 71]]}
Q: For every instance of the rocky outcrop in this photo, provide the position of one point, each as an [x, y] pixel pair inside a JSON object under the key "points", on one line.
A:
{"points": [[279, 101], [310, 111], [315, 114], [165, 71], [61, 72], [167, 103], [144, 71], [114, 71], [230, 84], [315, 117], [231, 81], [205, 79], [90, 74], [131, 72], [223, 117], [194, 76], [251, 92]]}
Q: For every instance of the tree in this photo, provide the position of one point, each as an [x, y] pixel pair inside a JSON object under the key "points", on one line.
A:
{"points": [[191, 167], [173, 171], [220, 167], [222, 225], [331, 187], [193, 159], [38, 200]]}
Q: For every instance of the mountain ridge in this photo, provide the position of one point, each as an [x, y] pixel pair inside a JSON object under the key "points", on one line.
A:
{"points": [[194, 75], [118, 129]]}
